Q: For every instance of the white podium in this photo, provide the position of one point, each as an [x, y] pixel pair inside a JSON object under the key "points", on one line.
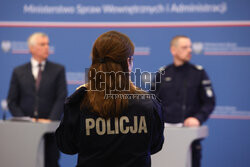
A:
{"points": [[22, 143], [176, 151]]}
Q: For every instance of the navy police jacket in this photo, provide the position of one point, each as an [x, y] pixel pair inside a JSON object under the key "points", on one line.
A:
{"points": [[124, 141], [185, 91]]}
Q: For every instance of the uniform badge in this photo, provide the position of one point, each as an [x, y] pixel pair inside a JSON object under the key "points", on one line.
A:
{"points": [[168, 79], [209, 92]]}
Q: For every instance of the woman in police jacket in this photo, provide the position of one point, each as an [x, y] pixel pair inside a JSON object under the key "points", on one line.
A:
{"points": [[108, 121]]}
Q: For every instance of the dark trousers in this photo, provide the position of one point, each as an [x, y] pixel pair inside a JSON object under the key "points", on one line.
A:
{"points": [[196, 153], [52, 153]]}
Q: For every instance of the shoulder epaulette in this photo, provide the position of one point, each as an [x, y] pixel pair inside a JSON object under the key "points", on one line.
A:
{"points": [[198, 67], [161, 69]]}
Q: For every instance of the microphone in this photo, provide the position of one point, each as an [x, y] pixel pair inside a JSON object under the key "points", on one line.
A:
{"points": [[4, 106]]}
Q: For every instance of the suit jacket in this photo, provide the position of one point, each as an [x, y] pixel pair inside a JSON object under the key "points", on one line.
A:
{"points": [[49, 99]]}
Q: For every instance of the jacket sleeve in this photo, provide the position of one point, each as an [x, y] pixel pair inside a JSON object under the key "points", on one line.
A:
{"points": [[14, 96], [61, 93], [67, 134], [207, 98], [157, 128]]}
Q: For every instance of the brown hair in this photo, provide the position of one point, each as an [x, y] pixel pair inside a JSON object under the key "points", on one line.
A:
{"points": [[175, 39], [109, 57]]}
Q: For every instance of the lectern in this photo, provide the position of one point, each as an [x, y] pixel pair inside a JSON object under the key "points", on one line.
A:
{"points": [[22, 143], [176, 151]]}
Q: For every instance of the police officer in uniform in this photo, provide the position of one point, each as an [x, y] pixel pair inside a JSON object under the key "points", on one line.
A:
{"points": [[105, 122], [185, 90]]}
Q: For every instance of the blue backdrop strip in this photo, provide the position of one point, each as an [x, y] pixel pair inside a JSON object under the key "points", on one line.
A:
{"points": [[121, 10]]}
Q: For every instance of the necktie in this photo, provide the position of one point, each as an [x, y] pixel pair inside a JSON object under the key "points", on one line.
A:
{"points": [[39, 76], [38, 80]]}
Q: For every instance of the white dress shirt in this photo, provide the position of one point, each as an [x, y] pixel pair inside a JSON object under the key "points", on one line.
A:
{"points": [[35, 68]]}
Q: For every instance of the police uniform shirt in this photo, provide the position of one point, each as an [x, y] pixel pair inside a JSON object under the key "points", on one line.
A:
{"points": [[185, 91], [124, 141]]}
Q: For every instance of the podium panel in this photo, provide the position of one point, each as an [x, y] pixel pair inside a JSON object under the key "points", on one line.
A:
{"points": [[176, 150], [22, 143]]}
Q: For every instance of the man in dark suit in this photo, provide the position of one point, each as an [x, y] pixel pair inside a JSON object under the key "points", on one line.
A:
{"points": [[38, 90]]}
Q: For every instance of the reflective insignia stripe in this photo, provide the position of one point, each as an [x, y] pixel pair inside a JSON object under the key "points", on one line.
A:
{"points": [[206, 82], [84, 85]]}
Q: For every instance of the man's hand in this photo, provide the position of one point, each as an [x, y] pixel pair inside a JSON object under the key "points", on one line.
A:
{"points": [[191, 122], [41, 120]]}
